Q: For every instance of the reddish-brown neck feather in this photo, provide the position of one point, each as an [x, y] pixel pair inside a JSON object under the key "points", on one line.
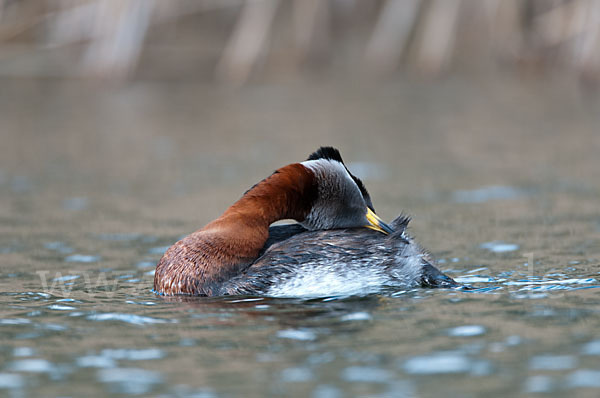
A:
{"points": [[198, 263]]}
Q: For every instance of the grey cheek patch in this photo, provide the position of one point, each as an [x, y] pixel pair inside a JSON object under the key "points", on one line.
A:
{"points": [[340, 203]]}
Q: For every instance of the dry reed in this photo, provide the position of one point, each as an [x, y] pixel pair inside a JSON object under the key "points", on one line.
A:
{"points": [[108, 37]]}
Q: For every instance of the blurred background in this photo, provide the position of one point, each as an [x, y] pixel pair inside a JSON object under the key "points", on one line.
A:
{"points": [[173, 108], [166, 111], [236, 41]]}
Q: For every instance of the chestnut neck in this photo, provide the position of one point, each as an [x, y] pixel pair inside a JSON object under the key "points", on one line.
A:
{"points": [[287, 193], [199, 263]]}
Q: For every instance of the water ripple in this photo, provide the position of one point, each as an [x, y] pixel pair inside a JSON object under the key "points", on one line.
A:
{"points": [[356, 316], [467, 331], [127, 318], [532, 281], [584, 378], [130, 380], [58, 307], [539, 384], [438, 363], [366, 374], [59, 247], [15, 321], [95, 361], [499, 247], [296, 375], [75, 203], [33, 365], [67, 278], [158, 250], [485, 194], [294, 334], [11, 381], [82, 258], [23, 352], [474, 279], [591, 348], [119, 237], [552, 362], [133, 354]]}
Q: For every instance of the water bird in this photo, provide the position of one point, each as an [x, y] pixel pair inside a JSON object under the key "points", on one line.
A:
{"points": [[339, 246]]}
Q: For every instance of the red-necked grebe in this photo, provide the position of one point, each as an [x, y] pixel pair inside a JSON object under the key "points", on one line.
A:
{"points": [[329, 253]]}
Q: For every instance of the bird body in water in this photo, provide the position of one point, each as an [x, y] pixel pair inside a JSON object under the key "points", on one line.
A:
{"points": [[329, 253]]}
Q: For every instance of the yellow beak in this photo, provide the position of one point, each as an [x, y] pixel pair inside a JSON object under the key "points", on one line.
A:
{"points": [[377, 223]]}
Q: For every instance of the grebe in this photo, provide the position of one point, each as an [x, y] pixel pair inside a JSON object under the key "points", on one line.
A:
{"points": [[329, 253]]}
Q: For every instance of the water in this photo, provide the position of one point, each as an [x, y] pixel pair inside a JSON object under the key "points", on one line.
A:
{"points": [[95, 184]]}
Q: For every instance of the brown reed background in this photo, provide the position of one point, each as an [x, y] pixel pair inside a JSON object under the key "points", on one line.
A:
{"points": [[235, 41]]}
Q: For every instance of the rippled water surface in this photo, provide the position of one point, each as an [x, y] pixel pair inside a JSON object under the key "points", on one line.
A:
{"points": [[502, 182]]}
